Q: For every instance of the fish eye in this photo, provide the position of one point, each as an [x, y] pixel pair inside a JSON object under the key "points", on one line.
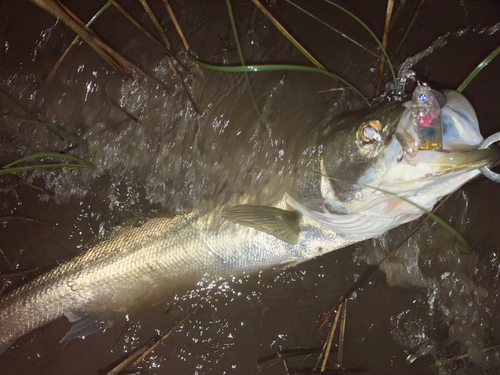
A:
{"points": [[369, 131]]}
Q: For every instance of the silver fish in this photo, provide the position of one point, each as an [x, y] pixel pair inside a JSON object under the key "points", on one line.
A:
{"points": [[337, 203]]}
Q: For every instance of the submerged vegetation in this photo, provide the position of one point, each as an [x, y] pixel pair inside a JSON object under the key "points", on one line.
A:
{"points": [[15, 168], [129, 70]]}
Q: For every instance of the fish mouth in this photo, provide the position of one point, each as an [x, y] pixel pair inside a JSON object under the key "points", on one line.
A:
{"points": [[446, 162], [460, 151]]}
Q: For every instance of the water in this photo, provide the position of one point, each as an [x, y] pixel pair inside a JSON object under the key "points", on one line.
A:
{"points": [[430, 302]]}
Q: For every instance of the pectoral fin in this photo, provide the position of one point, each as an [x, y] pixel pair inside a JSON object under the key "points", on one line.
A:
{"points": [[84, 325], [281, 224]]}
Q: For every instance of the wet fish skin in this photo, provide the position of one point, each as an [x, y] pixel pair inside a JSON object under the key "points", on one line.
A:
{"points": [[137, 266]]}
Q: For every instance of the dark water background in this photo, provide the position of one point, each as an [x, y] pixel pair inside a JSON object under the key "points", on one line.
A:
{"points": [[175, 161]]}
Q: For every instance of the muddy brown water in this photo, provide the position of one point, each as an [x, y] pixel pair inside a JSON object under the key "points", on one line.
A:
{"points": [[172, 161]]}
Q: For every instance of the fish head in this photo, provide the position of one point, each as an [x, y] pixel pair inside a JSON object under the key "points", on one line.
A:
{"points": [[355, 151], [372, 166]]}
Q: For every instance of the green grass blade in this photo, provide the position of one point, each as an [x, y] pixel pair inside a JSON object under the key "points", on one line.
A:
{"points": [[430, 214], [374, 37], [13, 168], [44, 166], [48, 154], [240, 53], [332, 28], [480, 67], [277, 67], [99, 12], [61, 133], [235, 31]]}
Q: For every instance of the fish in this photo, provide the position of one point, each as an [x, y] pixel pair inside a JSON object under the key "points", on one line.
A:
{"points": [[339, 200]]}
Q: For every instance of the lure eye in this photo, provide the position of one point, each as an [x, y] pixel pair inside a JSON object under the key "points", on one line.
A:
{"points": [[401, 156], [369, 131]]}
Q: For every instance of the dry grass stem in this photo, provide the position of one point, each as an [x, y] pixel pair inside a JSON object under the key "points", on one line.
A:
{"points": [[287, 34], [284, 362], [197, 69], [330, 90], [136, 357], [61, 133], [11, 266], [125, 112], [397, 13], [410, 25], [179, 77], [365, 277], [330, 339], [176, 24], [340, 356], [58, 63], [343, 35], [388, 15], [463, 356], [145, 32], [58, 11], [284, 355], [136, 24], [14, 275], [117, 61], [3, 288], [25, 218], [153, 18], [372, 269], [73, 15], [56, 67], [163, 338], [81, 24], [125, 363], [36, 187], [286, 367]]}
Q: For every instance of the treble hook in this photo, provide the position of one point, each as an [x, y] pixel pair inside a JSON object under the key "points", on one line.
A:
{"points": [[493, 176]]}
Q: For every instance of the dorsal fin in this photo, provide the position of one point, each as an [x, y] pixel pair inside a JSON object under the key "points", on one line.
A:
{"points": [[279, 223]]}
